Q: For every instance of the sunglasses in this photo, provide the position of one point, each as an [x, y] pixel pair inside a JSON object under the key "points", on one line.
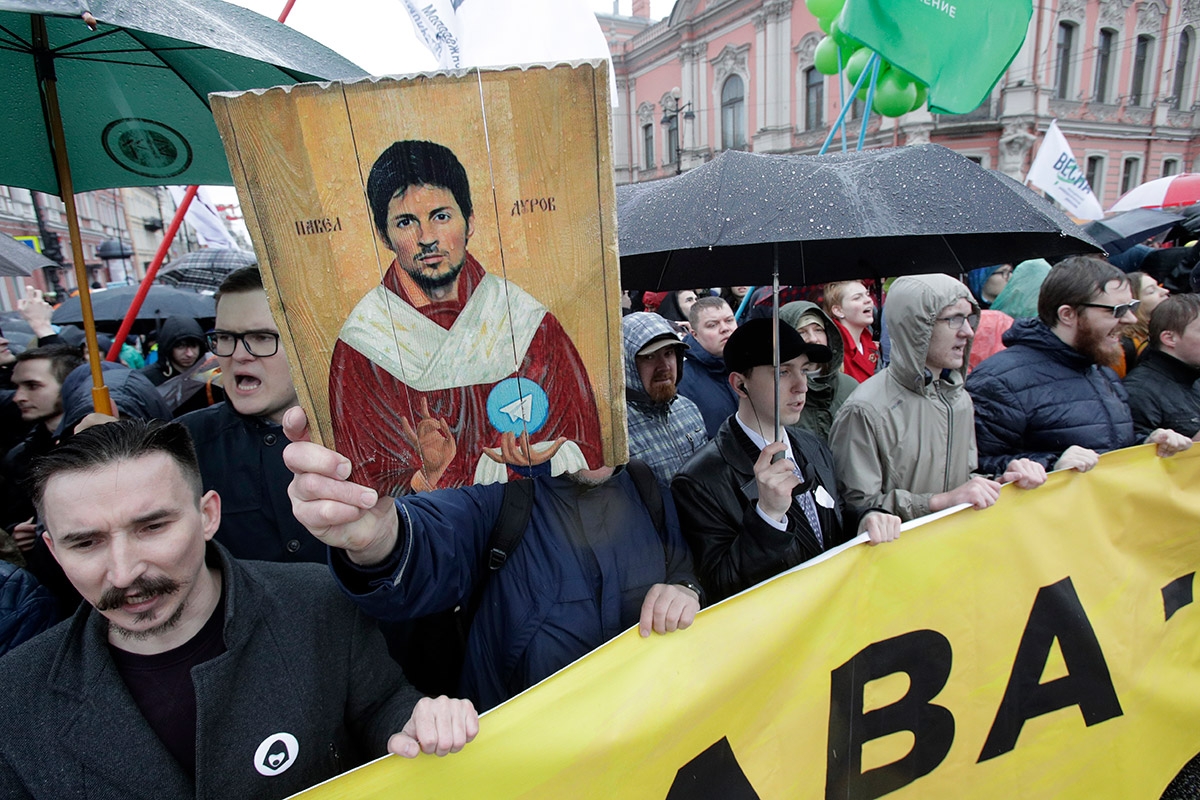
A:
{"points": [[1117, 311]]}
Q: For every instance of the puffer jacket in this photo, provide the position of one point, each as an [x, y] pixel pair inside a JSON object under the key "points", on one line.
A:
{"points": [[705, 382], [1163, 393], [664, 435], [26, 608], [131, 391], [905, 434], [1040, 396], [829, 390]]}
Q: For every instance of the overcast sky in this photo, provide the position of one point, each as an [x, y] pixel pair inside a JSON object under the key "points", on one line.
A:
{"points": [[378, 35]]}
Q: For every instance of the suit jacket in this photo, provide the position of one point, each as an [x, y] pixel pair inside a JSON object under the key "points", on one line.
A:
{"points": [[299, 660], [734, 547]]}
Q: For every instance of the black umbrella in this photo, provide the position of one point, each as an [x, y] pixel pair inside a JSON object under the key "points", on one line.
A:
{"points": [[110, 305], [874, 213], [17, 260], [204, 270], [1122, 231]]}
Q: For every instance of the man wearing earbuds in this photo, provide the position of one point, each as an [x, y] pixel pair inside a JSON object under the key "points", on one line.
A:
{"points": [[753, 503]]}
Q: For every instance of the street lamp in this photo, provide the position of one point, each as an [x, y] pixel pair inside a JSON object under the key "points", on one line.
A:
{"points": [[670, 121]]}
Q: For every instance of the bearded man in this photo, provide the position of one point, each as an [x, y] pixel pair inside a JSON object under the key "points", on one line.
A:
{"points": [[1051, 396], [665, 428], [447, 375]]}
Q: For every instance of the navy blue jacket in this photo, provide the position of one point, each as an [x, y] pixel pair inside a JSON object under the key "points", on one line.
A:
{"points": [[1040, 396], [242, 459], [706, 383], [26, 608], [577, 579]]}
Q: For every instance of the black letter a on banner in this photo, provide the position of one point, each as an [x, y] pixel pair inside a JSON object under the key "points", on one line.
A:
{"points": [[1057, 614], [925, 656]]}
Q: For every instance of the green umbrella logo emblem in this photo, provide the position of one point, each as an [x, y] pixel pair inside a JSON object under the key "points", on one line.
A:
{"points": [[146, 147]]}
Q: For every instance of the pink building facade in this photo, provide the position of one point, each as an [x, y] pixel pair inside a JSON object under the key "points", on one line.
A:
{"points": [[1120, 76]]}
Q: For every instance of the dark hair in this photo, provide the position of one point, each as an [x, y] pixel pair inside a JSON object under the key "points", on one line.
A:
{"points": [[415, 163], [1173, 314], [240, 281], [1073, 282], [123, 440], [62, 357], [708, 301]]}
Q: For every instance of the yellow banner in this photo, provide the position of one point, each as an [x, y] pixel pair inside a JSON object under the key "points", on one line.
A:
{"points": [[1047, 647]]}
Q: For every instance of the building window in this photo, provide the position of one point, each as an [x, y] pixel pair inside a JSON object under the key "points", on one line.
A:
{"points": [[648, 146], [1062, 79], [1141, 59], [1104, 51], [673, 138], [1181, 66], [1130, 174], [1170, 167], [814, 99], [733, 108], [1095, 173]]}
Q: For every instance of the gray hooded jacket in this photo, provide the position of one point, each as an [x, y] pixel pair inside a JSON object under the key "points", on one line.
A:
{"points": [[664, 435], [906, 435]]}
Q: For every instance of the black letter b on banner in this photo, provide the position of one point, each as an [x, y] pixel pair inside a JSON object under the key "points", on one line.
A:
{"points": [[925, 656]]}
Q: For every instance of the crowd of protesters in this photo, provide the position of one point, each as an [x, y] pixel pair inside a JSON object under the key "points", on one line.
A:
{"points": [[205, 565]]}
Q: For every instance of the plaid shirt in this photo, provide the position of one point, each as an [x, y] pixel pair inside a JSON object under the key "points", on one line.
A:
{"points": [[664, 435]]}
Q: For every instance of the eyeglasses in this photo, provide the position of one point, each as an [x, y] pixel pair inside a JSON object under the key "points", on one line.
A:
{"points": [[260, 344], [955, 322], [1117, 311]]}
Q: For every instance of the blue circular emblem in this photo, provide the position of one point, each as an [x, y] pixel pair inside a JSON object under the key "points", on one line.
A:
{"points": [[516, 405]]}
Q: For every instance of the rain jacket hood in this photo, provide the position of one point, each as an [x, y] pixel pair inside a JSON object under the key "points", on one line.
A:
{"points": [[911, 314], [829, 390], [791, 314], [638, 330], [178, 330]]}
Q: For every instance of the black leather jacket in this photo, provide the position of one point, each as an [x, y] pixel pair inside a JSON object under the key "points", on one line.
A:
{"points": [[716, 497]]}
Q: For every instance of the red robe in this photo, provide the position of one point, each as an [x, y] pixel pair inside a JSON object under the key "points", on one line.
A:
{"points": [[366, 401]]}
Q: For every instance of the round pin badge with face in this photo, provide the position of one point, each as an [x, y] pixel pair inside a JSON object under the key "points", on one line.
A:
{"points": [[276, 754]]}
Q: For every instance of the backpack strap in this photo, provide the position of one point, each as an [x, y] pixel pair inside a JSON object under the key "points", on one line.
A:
{"points": [[515, 509], [510, 526]]}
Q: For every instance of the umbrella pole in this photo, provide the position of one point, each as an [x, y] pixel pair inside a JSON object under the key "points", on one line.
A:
{"points": [[100, 397], [775, 340]]}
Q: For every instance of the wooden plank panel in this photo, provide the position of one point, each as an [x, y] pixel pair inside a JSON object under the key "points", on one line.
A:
{"points": [[535, 144]]}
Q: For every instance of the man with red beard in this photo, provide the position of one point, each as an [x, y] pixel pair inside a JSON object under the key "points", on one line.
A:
{"points": [[1051, 396], [665, 428], [445, 374]]}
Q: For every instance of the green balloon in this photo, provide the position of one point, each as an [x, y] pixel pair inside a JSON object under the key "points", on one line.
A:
{"points": [[922, 96], [894, 95], [825, 58], [856, 63], [835, 30], [825, 23], [825, 8]]}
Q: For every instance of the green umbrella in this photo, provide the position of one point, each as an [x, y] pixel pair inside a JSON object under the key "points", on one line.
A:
{"points": [[105, 93]]}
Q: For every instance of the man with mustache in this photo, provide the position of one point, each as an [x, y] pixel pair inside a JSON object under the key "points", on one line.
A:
{"points": [[187, 673], [447, 375], [1051, 396]]}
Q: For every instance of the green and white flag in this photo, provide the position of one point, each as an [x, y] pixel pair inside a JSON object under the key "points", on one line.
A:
{"points": [[1056, 172], [958, 48]]}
